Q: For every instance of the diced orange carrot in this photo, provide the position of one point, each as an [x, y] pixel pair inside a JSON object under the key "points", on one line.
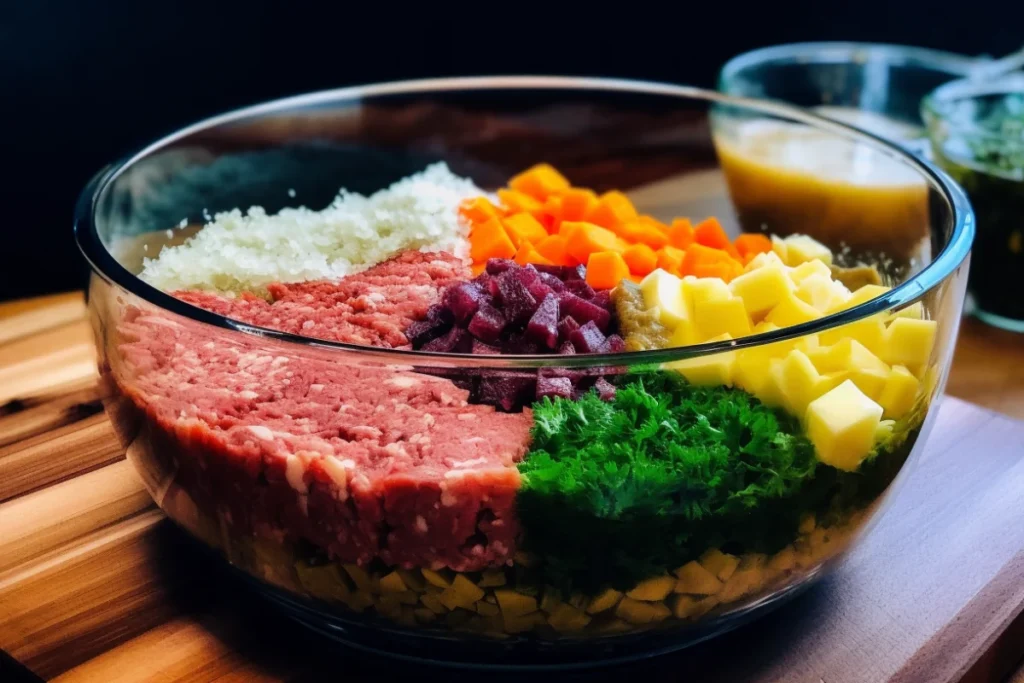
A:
{"points": [[478, 210], [645, 230], [528, 254], [515, 201], [680, 233], [671, 259], [605, 269], [552, 248], [583, 239], [640, 258], [700, 254], [612, 209], [490, 240], [710, 233], [577, 202], [636, 278], [749, 244], [550, 214], [523, 227], [539, 181], [478, 268]]}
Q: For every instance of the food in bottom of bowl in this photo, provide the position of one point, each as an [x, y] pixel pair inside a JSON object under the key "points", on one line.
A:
{"points": [[547, 501]]}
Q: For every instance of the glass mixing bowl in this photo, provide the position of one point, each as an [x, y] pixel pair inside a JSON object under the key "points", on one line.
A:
{"points": [[459, 563]]}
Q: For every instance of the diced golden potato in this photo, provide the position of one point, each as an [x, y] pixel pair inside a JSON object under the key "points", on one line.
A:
{"points": [[413, 579], [513, 603], [684, 334], [704, 289], [695, 579], [847, 354], [715, 317], [722, 565], [550, 600], [798, 382], [639, 612], [807, 523], [487, 609], [567, 619], [792, 311], [899, 393], [440, 579], [769, 258], [914, 310], [492, 578], [361, 578], [683, 606], [424, 615], [742, 583], [751, 370], [604, 601], [821, 292], [654, 588], [433, 603], [803, 271], [841, 424], [861, 296], [783, 561], [709, 370], [908, 342], [613, 626], [323, 581], [663, 290], [868, 332], [521, 623], [392, 583], [462, 593], [780, 248], [803, 248], [705, 605], [761, 289], [359, 600]]}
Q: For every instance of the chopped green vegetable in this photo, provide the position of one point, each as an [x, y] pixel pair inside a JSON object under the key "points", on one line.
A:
{"points": [[616, 492]]}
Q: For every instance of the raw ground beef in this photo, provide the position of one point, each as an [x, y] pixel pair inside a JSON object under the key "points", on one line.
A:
{"points": [[371, 308], [364, 461]]}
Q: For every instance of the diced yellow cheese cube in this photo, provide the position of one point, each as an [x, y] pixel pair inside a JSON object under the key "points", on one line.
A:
{"points": [[799, 273], [711, 370], [568, 619], [761, 289], [513, 603], [715, 317], [392, 583], [695, 579], [868, 332], [652, 589], [768, 258], [604, 601], [908, 342], [722, 565], [803, 248], [841, 424], [792, 311], [863, 295], [821, 292], [799, 382], [638, 612], [704, 289], [662, 290], [899, 393]]}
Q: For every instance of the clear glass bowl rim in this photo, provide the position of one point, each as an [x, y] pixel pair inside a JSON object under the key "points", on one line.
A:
{"points": [[937, 106], [944, 264], [839, 52]]}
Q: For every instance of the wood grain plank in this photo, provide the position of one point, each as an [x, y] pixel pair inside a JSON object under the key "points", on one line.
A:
{"points": [[10, 309], [47, 362], [54, 456], [53, 518], [49, 415], [988, 368], [30, 318]]}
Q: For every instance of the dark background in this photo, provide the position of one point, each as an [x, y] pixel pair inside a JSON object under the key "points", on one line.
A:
{"points": [[85, 82]]}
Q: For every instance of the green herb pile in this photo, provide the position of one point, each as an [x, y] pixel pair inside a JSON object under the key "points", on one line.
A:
{"points": [[616, 492]]}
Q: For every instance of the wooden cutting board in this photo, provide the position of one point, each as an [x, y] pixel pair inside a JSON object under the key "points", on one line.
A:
{"points": [[95, 585]]}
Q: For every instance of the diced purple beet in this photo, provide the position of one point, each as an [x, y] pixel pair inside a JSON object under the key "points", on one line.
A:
{"points": [[519, 344], [435, 323], [566, 349], [554, 387], [463, 300], [543, 325], [605, 389], [575, 273], [507, 390], [613, 344], [496, 266], [602, 299], [588, 339], [517, 301], [538, 290], [580, 289], [488, 324], [481, 349], [583, 311], [455, 341], [552, 281], [566, 326]]}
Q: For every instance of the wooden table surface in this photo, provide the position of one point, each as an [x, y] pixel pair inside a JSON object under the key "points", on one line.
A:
{"points": [[95, 585]]}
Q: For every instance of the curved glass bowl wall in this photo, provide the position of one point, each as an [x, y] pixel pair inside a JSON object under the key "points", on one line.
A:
{"points": [[675, 151]]}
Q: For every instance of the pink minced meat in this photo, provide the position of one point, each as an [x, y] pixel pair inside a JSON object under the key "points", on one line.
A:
{"points": [[372, 308], [364, 461]]}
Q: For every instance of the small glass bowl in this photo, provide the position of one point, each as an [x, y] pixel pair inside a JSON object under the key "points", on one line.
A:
{"points": [[986, 156], [438, 567], [876, 87]]}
